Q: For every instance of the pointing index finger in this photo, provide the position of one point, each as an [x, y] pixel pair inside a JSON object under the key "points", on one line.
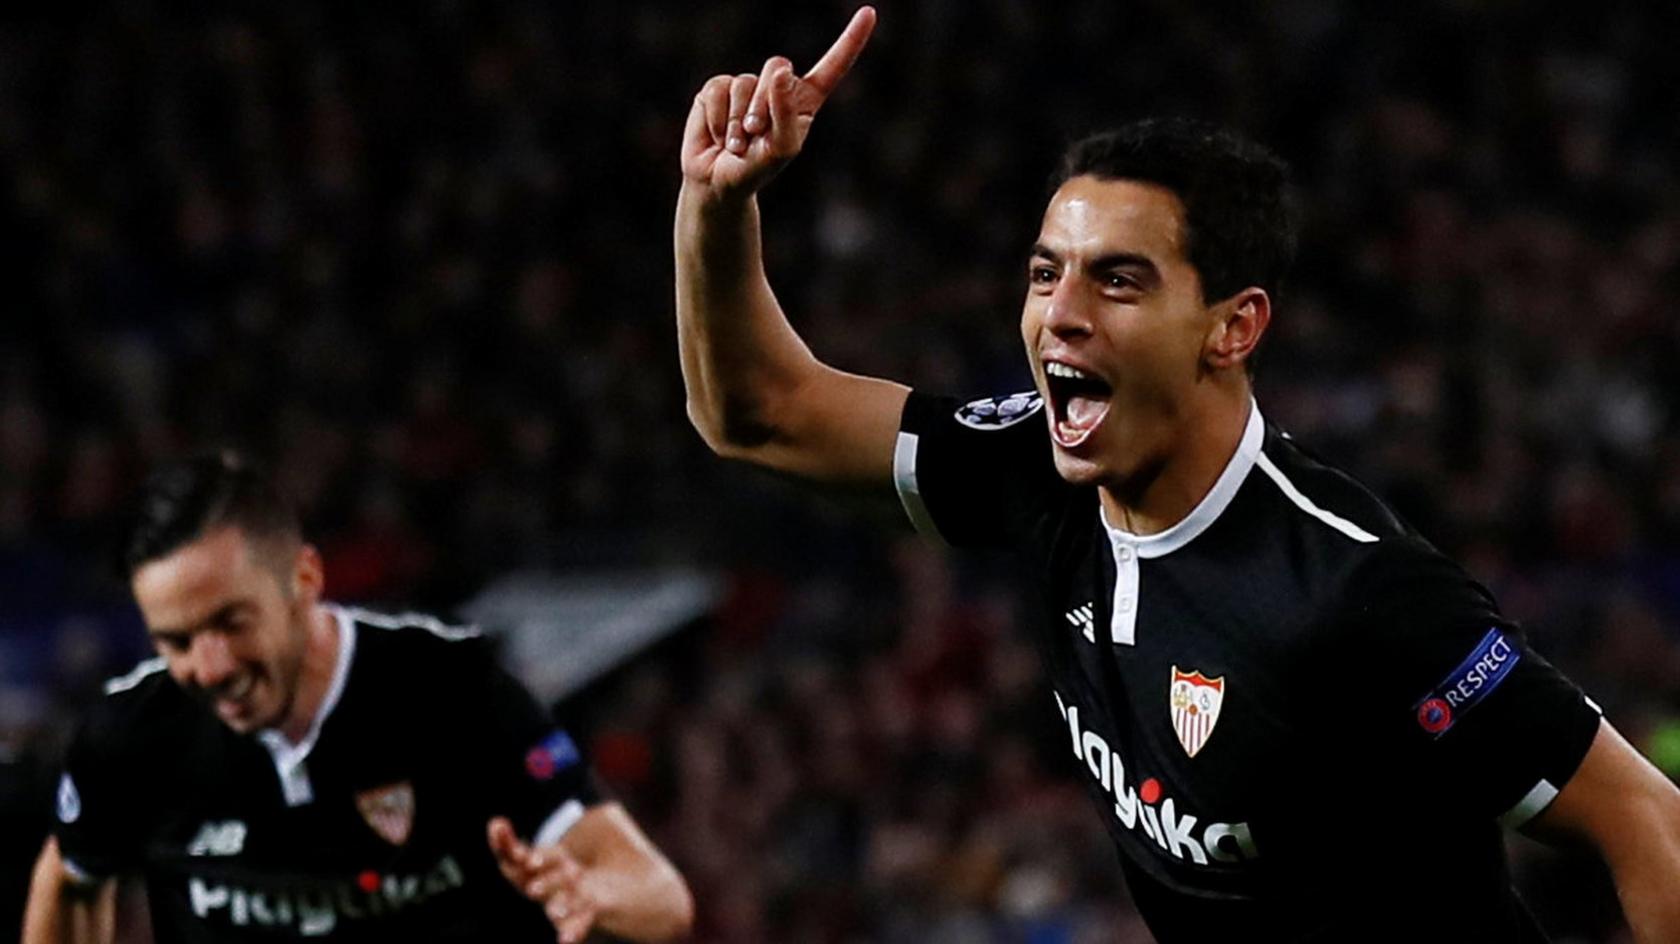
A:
{"points": [[835, 63]]}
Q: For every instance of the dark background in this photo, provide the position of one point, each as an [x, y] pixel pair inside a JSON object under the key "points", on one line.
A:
{"points": [[421, 261]]}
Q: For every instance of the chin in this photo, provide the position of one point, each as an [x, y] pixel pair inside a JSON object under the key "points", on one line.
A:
{"points": [[1077, 470], [241, 725], [257, 718]]}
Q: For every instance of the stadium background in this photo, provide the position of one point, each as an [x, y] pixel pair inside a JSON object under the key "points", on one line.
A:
{"points": [[421, 260]]}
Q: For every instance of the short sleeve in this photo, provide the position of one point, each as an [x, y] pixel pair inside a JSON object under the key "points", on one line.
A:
{"points": [[539, 777], [1472, 720], [974, 474], [93, 818]]}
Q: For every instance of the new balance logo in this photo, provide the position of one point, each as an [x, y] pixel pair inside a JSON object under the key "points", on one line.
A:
{"points": [[1084, 619], [218, 839]]}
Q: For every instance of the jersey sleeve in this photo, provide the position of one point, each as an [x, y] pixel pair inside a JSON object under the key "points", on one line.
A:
{"points": [[1472, 722], [974, 474], [94, 820], [537, 774]]}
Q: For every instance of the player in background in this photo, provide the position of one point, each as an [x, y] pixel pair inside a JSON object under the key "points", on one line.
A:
{"points": [[1176, 531], [292, 769]]}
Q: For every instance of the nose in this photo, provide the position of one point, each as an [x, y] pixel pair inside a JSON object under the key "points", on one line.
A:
{"points": [[1068, 315], [212, 662]]}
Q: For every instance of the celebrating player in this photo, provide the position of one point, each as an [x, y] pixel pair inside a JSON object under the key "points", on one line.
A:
{"points": [[290, 769], [1298, 719]]}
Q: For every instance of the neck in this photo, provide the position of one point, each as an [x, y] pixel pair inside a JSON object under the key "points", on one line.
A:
{"points": [[320, 658], [1177, 481]]}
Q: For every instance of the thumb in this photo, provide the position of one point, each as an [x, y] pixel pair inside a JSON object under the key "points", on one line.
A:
{"points": [[503, 842]]}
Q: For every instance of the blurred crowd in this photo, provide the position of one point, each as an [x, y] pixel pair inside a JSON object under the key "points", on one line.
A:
{"points": [[419, 258]]}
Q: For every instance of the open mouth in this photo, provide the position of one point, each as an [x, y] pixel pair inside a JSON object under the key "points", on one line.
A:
{"points": [[1078, 402], [231, 698]]}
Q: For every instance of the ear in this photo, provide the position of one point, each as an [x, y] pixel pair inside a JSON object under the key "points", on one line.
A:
{"points": [[309, 575], [1239, 322]]}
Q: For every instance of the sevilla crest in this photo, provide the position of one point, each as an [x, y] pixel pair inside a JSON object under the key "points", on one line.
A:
{"points": [[389, 810], [1196, 700]]}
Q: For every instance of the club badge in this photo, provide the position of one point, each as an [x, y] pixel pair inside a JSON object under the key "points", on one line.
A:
{"points": [[389, 811], [1196, 700]]}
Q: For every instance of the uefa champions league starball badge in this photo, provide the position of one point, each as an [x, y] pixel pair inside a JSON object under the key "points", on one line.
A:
{"points": [[999, 412]]}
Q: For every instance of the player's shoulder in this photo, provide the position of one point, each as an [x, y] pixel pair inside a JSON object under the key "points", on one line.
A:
{"points": [[410, 631], [1383, 566], [138, 707], [999, 412], [415, 642], [1327, 501], [1366, 549], [148, 681], [1007, 413]]}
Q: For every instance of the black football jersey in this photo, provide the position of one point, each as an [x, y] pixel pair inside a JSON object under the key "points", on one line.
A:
{"points": [[1300, 722], [372, 828]]}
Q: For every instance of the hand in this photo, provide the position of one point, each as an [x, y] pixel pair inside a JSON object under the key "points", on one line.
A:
{"points": [[549, 877], [743, 129]]}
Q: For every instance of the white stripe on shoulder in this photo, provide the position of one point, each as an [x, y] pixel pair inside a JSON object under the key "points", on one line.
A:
{"points": [[430, 624], [135, 676], [1306, 504]]}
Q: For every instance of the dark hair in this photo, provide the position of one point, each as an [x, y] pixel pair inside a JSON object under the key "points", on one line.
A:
{"points": [[1240, 221], [187, 499]]}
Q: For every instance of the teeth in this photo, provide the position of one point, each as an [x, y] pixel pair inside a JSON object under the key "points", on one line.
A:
{"points": [[1058, 369]]}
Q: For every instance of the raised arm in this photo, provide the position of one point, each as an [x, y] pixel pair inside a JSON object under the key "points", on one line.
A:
{"points": [[755, 391], [62, 910]]}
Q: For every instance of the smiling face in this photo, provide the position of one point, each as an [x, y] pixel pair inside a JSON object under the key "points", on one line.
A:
{"points": [[1115, 327], [230, 616]]}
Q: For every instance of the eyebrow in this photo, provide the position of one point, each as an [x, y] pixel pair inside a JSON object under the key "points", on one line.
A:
{"points": [[180, 634], [1113, 260]]}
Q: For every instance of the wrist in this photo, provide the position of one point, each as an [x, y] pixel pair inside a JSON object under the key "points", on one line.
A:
{"points": [[713, 202]]}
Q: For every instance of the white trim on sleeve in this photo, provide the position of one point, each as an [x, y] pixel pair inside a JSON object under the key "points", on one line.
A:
{"points": [[1530, 805], [77, 874], [909, 490], [558, 823]]}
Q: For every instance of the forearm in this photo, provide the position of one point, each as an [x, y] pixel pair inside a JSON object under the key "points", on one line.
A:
{"points": [[1648, 880], [60, 912], [1653, 910], [640, 899], [755, 392], [740, 356]]}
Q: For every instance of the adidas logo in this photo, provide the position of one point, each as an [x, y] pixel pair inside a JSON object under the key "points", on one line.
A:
{"points": [[1083, 618]]}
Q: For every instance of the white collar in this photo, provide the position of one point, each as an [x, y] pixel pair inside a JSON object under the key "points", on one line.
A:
{"points": [[1212, 505], [276, 742]]}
